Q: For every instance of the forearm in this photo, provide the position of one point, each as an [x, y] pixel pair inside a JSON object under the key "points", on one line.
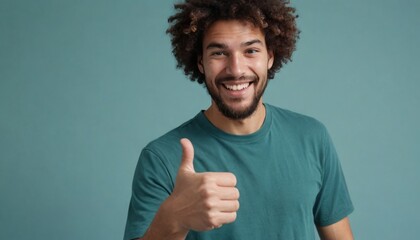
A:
{"points": [[164, 225], [199, 201], [337, 231]]}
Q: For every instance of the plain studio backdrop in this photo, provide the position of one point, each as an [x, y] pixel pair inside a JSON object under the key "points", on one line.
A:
{"points": [[84, 85]]}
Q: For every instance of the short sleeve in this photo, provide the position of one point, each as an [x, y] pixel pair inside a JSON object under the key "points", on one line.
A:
{"points": [[151, 186], [333, 201]]}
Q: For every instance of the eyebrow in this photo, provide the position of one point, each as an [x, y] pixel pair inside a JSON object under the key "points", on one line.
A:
{"points": [[249, 43], [216, 45], [224, 46]]}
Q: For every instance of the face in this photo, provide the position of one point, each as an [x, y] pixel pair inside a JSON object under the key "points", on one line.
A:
{"points": [[235, 62]]}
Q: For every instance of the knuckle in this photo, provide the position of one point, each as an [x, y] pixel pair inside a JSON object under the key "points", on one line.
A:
{"points": [[205, 192], [211, 218], [208, 205]]}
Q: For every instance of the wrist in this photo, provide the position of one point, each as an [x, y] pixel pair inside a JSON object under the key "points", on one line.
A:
{"points": [[166, 224]]}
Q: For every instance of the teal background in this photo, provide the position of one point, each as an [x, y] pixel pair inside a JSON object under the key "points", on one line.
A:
{"points": [[84, 85]]}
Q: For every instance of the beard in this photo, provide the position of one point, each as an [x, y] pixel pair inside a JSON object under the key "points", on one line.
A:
{"points": [[228, 111]]}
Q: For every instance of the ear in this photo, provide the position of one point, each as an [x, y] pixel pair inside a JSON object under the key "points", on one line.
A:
{"points": [[270, 59], [200, 64]]}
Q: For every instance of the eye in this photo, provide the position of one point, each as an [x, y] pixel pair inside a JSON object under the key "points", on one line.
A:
{"points": [[218, 53], [251, 51]]}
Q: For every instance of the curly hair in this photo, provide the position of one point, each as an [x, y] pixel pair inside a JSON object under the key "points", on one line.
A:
{"points": [[192, 18]]}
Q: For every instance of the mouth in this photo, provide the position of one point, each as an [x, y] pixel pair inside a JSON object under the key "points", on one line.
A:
{"points": [[236, 87]]}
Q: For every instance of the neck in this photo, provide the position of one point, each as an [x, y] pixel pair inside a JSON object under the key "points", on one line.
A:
{"points": [[245, 126]]}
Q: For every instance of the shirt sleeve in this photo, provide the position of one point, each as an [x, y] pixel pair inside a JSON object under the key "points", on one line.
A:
{"points": [[333, 201], [151, 186]]}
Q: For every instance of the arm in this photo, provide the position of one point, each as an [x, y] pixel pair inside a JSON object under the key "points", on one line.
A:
{"points": [[340, 230], [199, 201], [164, 225], [333, 203]]}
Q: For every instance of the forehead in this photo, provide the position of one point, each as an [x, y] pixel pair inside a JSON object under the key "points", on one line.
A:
{"points": [[232, 31]]}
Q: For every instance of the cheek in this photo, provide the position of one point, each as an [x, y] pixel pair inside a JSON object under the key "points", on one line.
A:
{"points": [[213, 69], [260, 67]]}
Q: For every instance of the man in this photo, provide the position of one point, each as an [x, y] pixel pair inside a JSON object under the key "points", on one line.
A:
{"points": [[243, 169]]}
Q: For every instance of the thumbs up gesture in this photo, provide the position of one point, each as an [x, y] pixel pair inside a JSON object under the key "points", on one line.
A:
{"points": [[203, 201]]}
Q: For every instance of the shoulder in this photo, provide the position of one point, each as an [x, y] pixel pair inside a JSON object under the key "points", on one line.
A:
{"points": [[168, 145], [287, 119]]}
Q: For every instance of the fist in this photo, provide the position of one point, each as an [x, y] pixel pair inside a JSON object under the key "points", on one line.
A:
{"points": [[203, 201]]}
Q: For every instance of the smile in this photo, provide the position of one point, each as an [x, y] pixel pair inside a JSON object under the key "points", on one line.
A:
{"points": [[236, 87]]}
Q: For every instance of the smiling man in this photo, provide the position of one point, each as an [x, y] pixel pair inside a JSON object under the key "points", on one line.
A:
{"points": [[235, 61], [241, 169]]}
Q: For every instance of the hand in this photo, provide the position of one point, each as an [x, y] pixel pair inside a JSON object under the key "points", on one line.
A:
{"points": [[203, 201]]}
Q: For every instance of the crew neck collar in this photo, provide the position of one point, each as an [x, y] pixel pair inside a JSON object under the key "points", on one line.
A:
{"points": [[218, 133]]}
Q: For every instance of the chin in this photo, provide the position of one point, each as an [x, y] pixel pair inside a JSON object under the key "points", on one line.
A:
{"points": [[238, 113]]}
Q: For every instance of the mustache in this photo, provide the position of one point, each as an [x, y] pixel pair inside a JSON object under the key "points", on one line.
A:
{"points": [[233, 78]]}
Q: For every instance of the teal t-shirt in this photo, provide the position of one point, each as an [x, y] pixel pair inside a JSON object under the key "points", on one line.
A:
{"points": [[288, 175]]}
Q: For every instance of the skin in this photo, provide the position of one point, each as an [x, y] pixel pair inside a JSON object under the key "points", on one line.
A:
{"points": [[234, 53], [340, 230], [200, 201]]}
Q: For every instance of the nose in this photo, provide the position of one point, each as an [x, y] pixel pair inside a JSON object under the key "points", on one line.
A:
{"points": [[235, 65]]}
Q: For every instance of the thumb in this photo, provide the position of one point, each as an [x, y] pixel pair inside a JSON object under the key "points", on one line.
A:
{"points": [[187, 156]]}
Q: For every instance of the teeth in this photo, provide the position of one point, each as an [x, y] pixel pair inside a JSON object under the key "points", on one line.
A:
{"points": [[237, 87]]}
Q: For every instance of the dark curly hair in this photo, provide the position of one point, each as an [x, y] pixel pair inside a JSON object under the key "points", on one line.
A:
{"points": [[275, 17]]}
